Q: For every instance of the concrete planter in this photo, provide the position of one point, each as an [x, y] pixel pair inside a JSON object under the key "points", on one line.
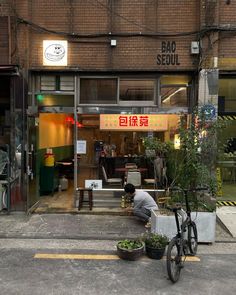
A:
{"points": [[205, 221]]}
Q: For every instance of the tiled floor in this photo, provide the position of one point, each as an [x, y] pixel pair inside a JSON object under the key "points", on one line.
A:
{"points": [[63, 202]]}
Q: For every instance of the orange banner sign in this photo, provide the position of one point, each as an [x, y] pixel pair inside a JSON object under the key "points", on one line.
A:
{"points": [[134, 122]]}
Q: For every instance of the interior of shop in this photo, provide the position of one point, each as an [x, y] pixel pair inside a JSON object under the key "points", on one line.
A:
{"points": [[103, 155]]}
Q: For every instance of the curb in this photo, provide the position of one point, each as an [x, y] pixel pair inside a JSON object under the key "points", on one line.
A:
{"points": [[60, 237], [226, 203]]}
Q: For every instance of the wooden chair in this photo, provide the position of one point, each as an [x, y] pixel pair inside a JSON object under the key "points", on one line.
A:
{"points": [[152, 181], [135, 178], [111, 181]]}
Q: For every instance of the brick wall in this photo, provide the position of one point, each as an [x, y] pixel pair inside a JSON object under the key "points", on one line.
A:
{"points": [[125, 17], [104, 16], [220, 44], [4, 40], [4, 31]]}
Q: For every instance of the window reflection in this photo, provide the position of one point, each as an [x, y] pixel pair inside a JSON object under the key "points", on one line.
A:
{"points": [[174, 96], [174, 91], [227, 97], [137, 90], [98, 91]]}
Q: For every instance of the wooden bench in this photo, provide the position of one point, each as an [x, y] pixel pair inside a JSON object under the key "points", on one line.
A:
{"points": [[89, 191]]}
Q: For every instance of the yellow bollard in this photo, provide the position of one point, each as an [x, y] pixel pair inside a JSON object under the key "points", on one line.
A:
{"points": [[219, 183]]}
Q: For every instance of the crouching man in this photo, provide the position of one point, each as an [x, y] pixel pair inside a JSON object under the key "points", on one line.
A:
{"points": [[143, 203]]}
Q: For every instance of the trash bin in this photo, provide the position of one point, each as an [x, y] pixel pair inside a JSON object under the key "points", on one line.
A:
{"points": [[63, 182]]}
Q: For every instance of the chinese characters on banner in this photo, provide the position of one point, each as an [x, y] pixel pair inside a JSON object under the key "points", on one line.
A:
{"points": [[133, 122]]}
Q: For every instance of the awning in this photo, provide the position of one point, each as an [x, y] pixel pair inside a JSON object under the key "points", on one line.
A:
{"points": [[9, 70]]}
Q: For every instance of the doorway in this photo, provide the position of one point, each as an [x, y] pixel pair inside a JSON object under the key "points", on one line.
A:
{"points": [[109, 148]]}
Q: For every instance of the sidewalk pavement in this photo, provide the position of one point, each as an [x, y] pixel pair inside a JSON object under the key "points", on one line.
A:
{"points": [[82, 226], [227, 216]]}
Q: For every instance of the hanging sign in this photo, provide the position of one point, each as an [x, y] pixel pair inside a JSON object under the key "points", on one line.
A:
{"points": [[210, 111], [134, 122], [54, 53]]}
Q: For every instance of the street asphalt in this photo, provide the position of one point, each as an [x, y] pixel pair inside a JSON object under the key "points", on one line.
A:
{"points": [[93, 227], [54, 254]]}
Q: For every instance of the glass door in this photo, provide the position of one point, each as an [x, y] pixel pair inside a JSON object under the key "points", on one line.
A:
{"points": [[32, 167]]}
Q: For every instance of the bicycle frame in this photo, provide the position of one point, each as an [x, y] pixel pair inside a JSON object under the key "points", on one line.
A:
{"points": [[181, 245], [180, 231]]}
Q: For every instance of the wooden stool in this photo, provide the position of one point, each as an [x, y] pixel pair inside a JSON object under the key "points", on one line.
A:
{"points": [[81, 197]]}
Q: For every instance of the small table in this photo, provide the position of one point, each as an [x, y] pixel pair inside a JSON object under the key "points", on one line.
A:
{"points": [[81, 191]]}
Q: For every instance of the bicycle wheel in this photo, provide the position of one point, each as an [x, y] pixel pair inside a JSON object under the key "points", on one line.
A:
{"points": [[192, 238], [173, 260]]}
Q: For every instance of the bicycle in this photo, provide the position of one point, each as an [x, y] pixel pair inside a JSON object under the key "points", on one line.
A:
{"points": [[185, 242]]}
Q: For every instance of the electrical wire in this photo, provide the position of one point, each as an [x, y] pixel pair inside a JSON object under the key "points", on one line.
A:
{"points": [[200, 33], [121, 16]]}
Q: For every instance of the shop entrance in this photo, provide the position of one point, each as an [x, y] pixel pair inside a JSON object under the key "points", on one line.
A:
{"points": [[94, 150]]}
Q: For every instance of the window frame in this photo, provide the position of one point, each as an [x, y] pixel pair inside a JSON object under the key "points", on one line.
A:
{"points": [[144, 103], [224, 76], [57, 82], [96, 104], [174, 108]]}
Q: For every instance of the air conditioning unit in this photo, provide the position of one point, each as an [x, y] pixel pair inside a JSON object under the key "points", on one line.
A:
{"points": [[194, 47]]}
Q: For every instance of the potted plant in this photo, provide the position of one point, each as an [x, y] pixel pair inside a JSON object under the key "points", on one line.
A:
{"points": [[193, 165], [155, 245], [129, 249]]}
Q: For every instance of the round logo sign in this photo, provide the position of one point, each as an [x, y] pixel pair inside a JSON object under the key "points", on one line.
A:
{"points": [[54, 52]]}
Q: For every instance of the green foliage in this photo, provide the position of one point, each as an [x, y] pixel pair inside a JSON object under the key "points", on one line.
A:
{"points": [[156, 241], [155, 144], [130, 244], [198, 201], [193, 165]]}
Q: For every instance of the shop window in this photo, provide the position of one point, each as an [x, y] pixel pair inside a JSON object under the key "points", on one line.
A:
{"points": [[67, 83], [48, 83], [174, 91], [56, 83], [137, 90], [227, 95], [98, 91]]}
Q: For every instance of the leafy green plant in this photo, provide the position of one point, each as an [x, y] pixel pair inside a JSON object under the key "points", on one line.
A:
{"points": [[194, 164], [198, 201], [156, 241], [197, 155], [130, 244], [156, 145]]}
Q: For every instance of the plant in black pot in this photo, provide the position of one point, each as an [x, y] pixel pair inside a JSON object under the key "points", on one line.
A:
{"points": [[155, 245], [130, 249]]}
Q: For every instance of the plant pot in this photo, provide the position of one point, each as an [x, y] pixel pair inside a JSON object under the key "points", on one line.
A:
{"points": [[130, 254], [155, 253], [205, 222]]}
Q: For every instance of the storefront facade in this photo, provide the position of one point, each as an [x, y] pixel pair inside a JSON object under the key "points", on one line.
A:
{"points": [[86, 59]]}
